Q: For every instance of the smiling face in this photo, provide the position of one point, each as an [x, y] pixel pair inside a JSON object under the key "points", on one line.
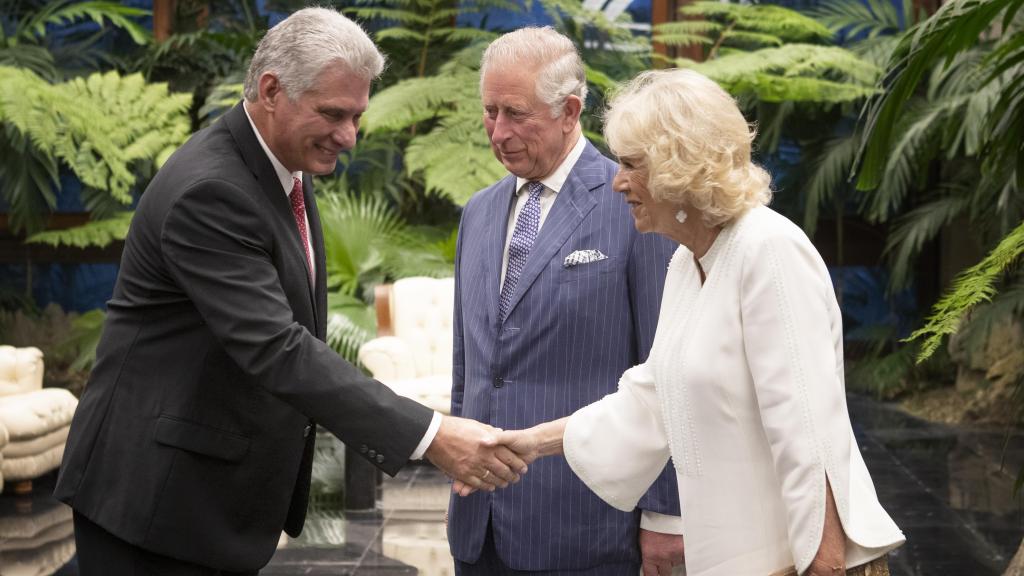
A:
{"points": [[649, 214], [524, 136], [309, 132]]}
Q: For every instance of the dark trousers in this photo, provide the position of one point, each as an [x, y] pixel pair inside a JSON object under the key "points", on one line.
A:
{"points": [[490, 564], [100, 553]]}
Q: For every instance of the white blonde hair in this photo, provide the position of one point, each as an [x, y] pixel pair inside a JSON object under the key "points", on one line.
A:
{"points": [[299, 47], [560, 71], [693, 141]]}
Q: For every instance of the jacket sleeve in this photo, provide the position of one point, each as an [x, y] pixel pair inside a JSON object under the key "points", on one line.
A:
{"points": [[790, 345], [647, 269], [218, 246], [617, 445]]}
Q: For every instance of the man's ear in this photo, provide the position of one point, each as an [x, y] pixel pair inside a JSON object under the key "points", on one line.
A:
{"points": [[571, 112], [270, 90]]}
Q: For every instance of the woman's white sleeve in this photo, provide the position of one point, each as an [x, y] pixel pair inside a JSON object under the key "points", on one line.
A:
{"points": [[617, 445]]}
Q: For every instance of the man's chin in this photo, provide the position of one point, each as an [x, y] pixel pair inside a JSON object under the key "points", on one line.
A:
{"points": [[323, 168]]}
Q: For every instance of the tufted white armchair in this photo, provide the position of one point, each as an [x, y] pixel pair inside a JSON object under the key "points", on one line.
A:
{"points": [[413, 351], [36, 419]]}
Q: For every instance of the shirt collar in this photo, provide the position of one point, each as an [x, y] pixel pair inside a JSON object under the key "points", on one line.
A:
{"points": [[556, 179], [286, 177]]}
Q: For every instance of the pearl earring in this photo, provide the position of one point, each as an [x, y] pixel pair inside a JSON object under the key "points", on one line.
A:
{"points": [[681, 216]]}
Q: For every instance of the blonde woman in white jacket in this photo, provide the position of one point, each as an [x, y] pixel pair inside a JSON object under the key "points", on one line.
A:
{"points": [[744, 385]]}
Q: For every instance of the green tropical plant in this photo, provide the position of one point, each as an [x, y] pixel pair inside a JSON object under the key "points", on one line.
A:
{"points": [[971, 119], [366, 244], [97, 233], [423, 33], [26, 32], [723, 26], [454, 157], [111, 131]]}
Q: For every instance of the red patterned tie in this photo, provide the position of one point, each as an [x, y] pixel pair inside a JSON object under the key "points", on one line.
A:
{"points": [[299, 211]]}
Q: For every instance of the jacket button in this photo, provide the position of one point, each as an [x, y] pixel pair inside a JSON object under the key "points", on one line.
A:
{"points": [[309, 428], [372, 453], [498, 382], [380, 458], [363, 449]]}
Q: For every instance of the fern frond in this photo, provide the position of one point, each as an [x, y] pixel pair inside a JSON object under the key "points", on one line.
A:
{"points": [[105, 127], [783, 23], [393, 14], [411, 101], [794, 72], [972, 287], [455, 158], [751, 40], [97, 233]]}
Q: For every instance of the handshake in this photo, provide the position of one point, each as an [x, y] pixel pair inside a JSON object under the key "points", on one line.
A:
{"points": [[480, 457]]}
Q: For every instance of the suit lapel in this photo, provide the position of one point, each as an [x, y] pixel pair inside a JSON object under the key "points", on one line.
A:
{"points": [[500, 205], [572, 204], [258, 162]]}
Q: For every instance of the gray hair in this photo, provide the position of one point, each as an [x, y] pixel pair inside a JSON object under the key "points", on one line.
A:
{"points": [[299, 47], [560, 71]]}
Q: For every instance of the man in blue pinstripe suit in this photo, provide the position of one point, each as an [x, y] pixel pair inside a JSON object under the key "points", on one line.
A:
{"points": [[556, 294]]}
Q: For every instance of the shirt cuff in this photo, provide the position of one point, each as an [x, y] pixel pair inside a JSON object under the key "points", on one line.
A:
{"points": [[655, 522], [421, 448]]}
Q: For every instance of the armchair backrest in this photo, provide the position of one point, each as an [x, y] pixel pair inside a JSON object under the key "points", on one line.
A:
{"points": [[421, 315], [21, 370]]}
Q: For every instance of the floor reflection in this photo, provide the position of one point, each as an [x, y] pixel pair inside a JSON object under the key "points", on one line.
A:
{"points": [[950, 490]]}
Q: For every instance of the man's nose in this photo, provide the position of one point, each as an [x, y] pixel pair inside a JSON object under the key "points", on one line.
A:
{"points": [[345, 135], [501, 131]]}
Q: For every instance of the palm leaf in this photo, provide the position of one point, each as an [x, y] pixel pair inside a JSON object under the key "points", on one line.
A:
{"points": [[914, 230], [830, 171], [955, 27]]}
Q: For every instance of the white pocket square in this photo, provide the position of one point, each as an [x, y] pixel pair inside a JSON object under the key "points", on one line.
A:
{"points": [[583, 257]]}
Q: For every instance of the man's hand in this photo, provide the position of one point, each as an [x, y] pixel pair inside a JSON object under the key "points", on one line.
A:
{"points": [[468, 451], [660, 552]]}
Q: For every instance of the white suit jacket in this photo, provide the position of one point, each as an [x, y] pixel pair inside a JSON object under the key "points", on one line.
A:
{"points": [[744, 388]]}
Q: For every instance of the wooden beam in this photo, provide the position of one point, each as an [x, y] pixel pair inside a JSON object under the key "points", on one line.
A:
{"points": [[163, 19], [663, 11]]}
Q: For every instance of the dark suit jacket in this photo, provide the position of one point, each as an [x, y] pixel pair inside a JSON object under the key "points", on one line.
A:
{"points": [[570, 333], [193, 437]]}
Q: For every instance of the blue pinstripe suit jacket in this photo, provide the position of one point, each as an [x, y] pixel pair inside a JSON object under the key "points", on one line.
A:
{"points": [[570, 333]]}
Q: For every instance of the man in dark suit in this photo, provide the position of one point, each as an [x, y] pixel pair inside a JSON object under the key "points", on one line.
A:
{"points": [[556, 295], [192, 445]]}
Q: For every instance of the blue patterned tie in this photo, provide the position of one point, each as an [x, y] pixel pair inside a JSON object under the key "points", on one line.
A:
{"points": [[523, 236]]}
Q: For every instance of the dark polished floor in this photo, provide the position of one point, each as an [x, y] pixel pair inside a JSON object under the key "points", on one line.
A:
{"points": [[950, 490]]}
